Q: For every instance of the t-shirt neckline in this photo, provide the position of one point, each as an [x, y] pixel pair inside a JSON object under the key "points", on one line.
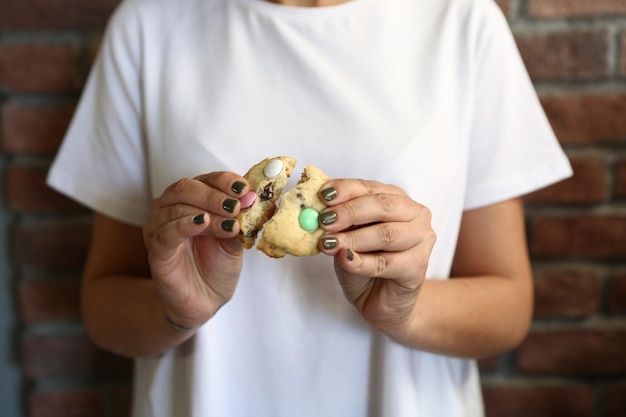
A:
{"points": [[304, 13]]}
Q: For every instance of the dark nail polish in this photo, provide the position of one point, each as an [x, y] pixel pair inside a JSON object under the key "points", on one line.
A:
{"points": [[329, 194], [328, 217], [350, 255], [228, 225], [329, 242], [229, 204], [238, 187], [199, 219]]}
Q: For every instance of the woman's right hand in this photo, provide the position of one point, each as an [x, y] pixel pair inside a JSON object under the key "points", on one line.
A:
{"points": [[194, 256]]}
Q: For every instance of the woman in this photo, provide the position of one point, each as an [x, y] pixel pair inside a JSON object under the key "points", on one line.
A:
{"points": [[424, 116]]}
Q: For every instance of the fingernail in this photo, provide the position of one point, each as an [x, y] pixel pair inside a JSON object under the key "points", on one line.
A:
{"points": [[329, 194], [328, 217], [329, 242], [228, 225], [350, 255], [199, 219], [229, 204], [238, 187]]}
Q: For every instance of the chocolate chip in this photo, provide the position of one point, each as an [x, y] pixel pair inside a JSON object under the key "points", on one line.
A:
{"points": [[267, 193]]}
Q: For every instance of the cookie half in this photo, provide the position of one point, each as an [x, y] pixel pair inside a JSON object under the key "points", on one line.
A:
{"points": [[268, 178], [294, 228]]}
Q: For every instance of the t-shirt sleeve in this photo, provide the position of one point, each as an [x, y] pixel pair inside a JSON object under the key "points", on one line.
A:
{"points": [[513, 149], [102, 160]]}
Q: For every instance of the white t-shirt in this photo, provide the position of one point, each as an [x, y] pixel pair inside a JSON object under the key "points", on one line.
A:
{"points": [[430, 95]]}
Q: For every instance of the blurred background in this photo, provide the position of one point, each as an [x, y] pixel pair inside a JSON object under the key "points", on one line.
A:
{"points": [[572, 364]]}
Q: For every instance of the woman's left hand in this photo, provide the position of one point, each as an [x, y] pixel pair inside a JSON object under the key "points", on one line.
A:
{"points": [[381, 240]]}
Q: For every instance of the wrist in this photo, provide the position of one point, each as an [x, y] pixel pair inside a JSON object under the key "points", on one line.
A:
{"points": [[402, 331], [403, 328]]}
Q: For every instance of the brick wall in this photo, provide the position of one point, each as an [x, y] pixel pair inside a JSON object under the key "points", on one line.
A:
{"points": [[572, 364], [45, 52]]}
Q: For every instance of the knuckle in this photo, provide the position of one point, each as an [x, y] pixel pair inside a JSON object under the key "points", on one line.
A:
{"points": [[431, 237], [399, 191], [386, 201], [349, 240], [381, 264], [369, 186], [352, 210], [159, 238], [426, 214], [386, 234], [174, 212], [180, 185]]}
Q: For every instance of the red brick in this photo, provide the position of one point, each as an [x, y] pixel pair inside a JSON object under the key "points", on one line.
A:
{"points": [[49, 356], [587, 186], [587, 237], [38, 68], [573, 55], [26, 191], [616, 299], [585, 119], [76, 403], [34, 129], [53, 244], [620, 186], [567, 293], [59, 14], [48, 300], [589, 352], [538, 401], [575, 8], [615, 404]]}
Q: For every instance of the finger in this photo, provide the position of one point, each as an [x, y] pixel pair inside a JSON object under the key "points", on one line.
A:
{"points": [[229, 208], [218, 225], [196, 193], [163, 238], [399, 266], [167, 235], [370, 209], [338, 191], [390, 236], [228, 182]]}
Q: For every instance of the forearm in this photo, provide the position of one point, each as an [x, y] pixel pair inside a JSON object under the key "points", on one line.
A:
{"points": [[487, 308], [124, 314], [468, 317]]}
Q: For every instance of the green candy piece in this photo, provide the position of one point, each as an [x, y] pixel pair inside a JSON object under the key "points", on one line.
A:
{"points": [[308, 219]]}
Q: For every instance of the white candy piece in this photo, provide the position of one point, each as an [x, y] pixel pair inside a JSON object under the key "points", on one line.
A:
{"points": [[273, 168]]}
